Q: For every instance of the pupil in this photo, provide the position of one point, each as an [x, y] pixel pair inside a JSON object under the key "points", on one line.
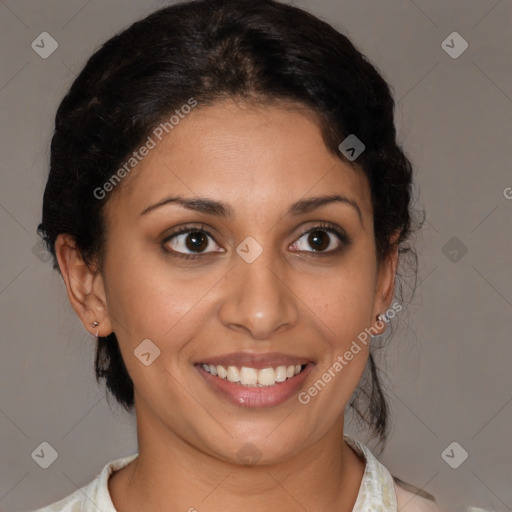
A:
{"points": [[315, 238]]}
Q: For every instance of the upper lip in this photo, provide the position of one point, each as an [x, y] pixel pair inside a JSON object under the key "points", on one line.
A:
{"points": [[258, 361]]}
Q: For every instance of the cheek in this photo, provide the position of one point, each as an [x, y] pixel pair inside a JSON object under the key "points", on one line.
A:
{"points": [[145, 295], [340, 305], [155, 301], [342, 299], [147, 302]]}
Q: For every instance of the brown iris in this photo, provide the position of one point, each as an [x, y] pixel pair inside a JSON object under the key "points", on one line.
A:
{"points": [[195, 240], [319, 240]]}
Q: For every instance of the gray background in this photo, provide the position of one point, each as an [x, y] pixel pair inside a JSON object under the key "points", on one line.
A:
{"points": [[448, 364]]}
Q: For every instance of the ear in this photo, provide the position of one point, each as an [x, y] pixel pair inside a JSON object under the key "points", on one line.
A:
{"points": [[84, 285], [385, 283]]}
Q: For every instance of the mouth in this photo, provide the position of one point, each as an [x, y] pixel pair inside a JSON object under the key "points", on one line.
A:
{"points": [[255, 381]]}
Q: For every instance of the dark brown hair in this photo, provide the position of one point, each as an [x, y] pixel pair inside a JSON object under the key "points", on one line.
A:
{"points": [[255, 50]]}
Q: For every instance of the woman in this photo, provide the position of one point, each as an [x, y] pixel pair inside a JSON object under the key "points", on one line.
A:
{"points": [[227, 204]]}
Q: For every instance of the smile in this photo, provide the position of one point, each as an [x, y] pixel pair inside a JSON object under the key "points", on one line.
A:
{"points": [[256, 381]]}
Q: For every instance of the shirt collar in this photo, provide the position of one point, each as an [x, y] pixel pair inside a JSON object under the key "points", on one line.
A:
{"points": [[377, 489]]}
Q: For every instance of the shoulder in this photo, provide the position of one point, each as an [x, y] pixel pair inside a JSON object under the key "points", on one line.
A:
{"points": [[412, 499], [92, 497]]}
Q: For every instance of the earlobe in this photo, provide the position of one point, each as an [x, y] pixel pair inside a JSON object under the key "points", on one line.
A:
{"points": [[84, 287]]}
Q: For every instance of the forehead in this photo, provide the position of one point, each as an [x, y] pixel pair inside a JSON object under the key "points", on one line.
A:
{"points": [[252, 157]]}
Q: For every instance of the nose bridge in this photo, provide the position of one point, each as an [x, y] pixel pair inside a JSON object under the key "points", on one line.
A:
{"points": [[257, 298]]}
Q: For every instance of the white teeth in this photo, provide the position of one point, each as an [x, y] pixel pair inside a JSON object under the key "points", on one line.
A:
{"points": [[233, 374], [267, 377], [248, 376], [280, 373], [253, 377], [222, 372]]}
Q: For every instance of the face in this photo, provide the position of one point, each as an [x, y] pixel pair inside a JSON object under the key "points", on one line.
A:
{"points": [[248, 275]]}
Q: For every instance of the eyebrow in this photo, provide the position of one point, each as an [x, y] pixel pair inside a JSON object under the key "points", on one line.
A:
{"points": [[209, 206]]}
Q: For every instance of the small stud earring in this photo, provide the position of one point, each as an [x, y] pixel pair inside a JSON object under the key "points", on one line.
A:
{"points": [[380, 318], [95, 324]]}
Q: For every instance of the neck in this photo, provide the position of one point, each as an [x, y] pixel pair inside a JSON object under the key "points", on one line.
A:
{"points": [[171, 474]]}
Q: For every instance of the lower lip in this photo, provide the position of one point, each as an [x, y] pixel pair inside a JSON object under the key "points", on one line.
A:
{"points": [[246, 396]]}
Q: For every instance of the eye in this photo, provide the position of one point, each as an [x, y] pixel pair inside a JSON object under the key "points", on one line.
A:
{"points": [[320, 238], [189, 238], [191, 242]]}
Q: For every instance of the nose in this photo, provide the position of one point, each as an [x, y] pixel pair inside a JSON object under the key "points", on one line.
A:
{"points": [[257, 298]]}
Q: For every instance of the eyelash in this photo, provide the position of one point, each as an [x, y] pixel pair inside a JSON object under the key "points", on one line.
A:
{"points": [[322, 226]]}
